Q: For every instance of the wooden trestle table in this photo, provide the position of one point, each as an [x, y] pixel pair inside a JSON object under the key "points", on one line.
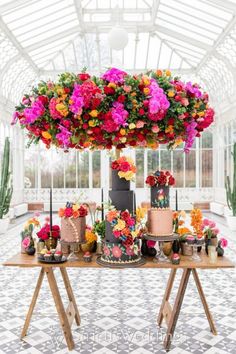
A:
{"points": [[167, 312]]}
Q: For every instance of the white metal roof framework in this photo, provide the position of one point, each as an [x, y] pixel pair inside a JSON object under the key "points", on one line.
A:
{"points": [[40, 38]]}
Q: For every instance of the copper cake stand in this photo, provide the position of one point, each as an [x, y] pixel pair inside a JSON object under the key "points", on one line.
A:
{"points": [[160, 256]]}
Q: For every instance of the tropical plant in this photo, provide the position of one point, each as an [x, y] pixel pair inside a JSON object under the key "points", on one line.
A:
{"points": [[231, 189], [6, 188]]}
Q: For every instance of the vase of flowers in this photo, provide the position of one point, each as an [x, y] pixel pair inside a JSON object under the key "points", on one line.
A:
{"points": [[222, 243], [210, 232], [160, 181], [50, 239], [27, 235]]}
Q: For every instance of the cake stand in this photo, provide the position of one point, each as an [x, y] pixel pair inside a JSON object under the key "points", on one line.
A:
{"points": [[161, 257]]}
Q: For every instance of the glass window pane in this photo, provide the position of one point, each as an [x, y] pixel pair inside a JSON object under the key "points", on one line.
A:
{"points": [[178, 168], [96, 158], [70, 169], [190, 169], [165, 160], [207, 140], [140, 168], [58, 169], [30, 164], [153, 161], [45, 167], [207, 168], [83, 169]]}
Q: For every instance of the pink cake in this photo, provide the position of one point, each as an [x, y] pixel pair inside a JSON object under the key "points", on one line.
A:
{"points": [[160, 221], [73, 230]]}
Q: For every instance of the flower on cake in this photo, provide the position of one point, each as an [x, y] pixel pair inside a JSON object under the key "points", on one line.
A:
{"points": [[125, 167], [124, 226], [160, 178], [116, 251], [73, 210]]}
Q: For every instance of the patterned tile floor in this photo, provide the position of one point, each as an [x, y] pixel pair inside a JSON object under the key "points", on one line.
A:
{"points": [[118, 309]]}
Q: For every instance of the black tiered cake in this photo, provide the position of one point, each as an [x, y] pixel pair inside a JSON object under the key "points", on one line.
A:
{"points": [[122, 198]]}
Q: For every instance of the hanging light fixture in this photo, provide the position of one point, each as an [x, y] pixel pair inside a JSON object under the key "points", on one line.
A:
{"points": [[118, 36]]}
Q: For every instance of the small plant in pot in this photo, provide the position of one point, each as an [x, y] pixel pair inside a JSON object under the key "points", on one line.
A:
{"points": [[231, 194], [5, 188], [210, 232]]}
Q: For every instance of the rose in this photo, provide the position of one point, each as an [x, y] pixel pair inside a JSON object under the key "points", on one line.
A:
{"points": [[82, 211], [124, 166], [115, 165], [125, 215], [68, 212], [84, 76], [55, 231], [151, 180], [171, 181]]}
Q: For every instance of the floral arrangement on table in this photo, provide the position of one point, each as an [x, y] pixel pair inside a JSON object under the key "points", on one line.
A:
{"points": [[125, 167], [47, 238], [160, 178], [73, 210], [115, 109], [27, 240], [124, 228], [196, 221], [209, 229], [179, 218]]}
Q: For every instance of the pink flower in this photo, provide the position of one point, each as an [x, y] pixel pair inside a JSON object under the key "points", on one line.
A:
{"points": [[151, 243], [129, 251], [114, 75], [106, 251], [47, 219], [116, 251], [116, 233], [215, 231], [212, 224], [130, 222], [155, 129], [205, 222], [223, 242], [37, 214], [140, 124], [26, 242]]}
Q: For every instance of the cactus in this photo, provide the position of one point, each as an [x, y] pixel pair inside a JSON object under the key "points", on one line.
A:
{"points": [[231, 191], [5, 181]]}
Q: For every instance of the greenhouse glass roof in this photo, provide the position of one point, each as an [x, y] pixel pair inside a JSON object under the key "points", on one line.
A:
{"points": [[39, 39]]}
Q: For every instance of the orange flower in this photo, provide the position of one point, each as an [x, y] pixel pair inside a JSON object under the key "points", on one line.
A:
{"points": [[175, 215], [112, 214], [126, 231], [159, 73], [181, 222], [61, 212], [76, 214], [183, 230]]}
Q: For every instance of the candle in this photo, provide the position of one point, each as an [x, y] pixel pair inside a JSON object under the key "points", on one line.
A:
{"points": [[50, 209], [134, 204], [176, 200], [102, 202]]}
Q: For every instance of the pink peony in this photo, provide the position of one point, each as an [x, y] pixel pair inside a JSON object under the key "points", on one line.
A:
{"points": [[140, 124]]}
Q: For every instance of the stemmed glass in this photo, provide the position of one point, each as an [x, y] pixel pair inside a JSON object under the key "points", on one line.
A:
{"points": [[160, 256]]}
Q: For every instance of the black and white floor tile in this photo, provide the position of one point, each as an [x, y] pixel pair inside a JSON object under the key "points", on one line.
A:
{"points": [[118, 309]]}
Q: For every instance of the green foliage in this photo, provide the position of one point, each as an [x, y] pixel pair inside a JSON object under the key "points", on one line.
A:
{"points": [[99, 228], [231, 189], [5, 181]]}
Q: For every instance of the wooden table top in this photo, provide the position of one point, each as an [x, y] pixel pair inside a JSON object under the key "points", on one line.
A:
{"points": [[24, 260]]}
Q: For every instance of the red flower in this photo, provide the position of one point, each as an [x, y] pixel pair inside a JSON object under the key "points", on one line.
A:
{"points": [[109, 90], [124, 166], [116, 233], [115, 165], [121, 99], [128, 242], [171, 181], [82, 211], [151, 180], [68, 212], [43, 99], [162, 180], [141, 111], [84, 76], [110, 126], [125, 215]]}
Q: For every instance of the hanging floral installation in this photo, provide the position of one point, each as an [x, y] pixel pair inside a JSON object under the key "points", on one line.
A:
{"points": [[115, 109]]}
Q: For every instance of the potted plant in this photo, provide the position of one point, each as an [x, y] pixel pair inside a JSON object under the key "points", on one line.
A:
{"points": [[5, 188], [231, 195]]}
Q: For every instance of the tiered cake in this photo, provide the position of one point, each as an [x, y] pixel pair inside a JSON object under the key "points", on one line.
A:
{"points": [[122, 198], [160, 216]]}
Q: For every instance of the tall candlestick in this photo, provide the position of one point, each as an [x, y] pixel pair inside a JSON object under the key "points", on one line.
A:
{"points": [[176, 200], [102, 202], [51, 210]]}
